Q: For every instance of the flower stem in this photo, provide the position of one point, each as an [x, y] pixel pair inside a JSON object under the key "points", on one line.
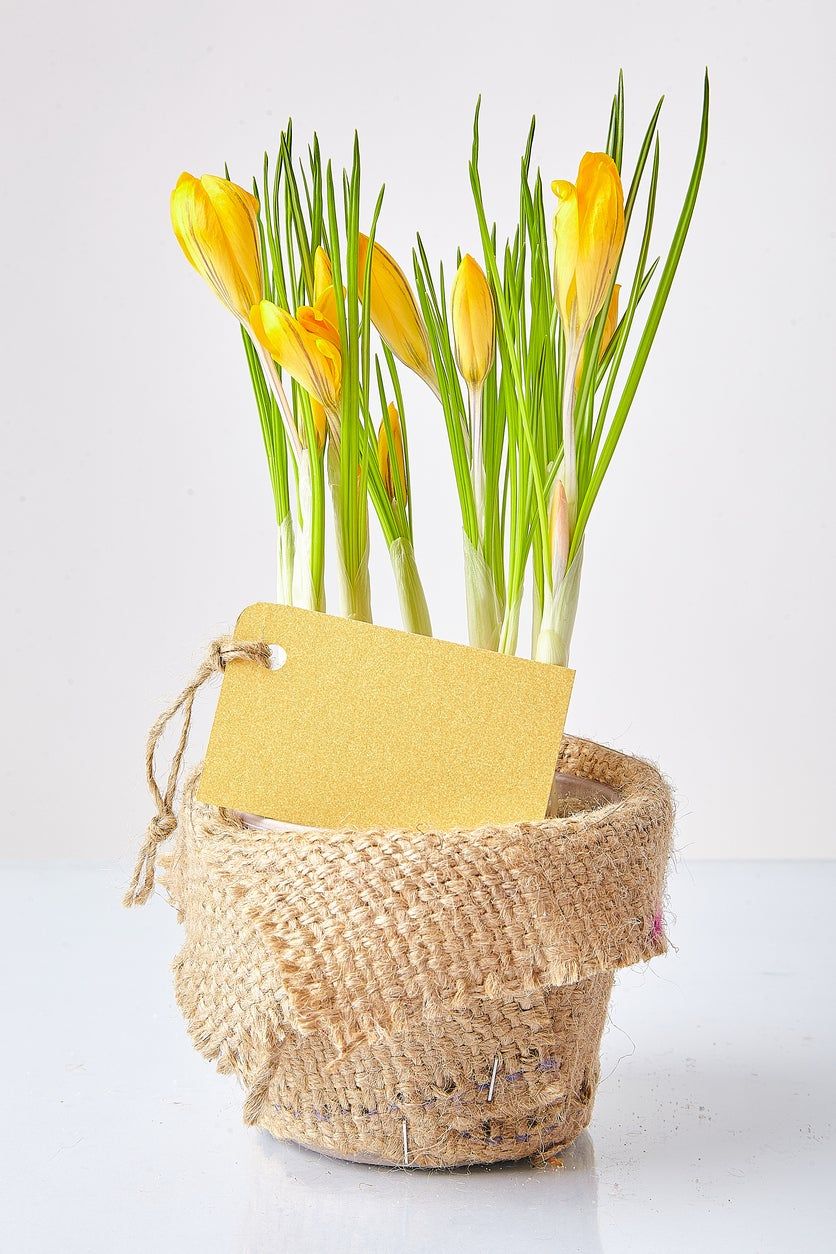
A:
{"points": [[477, 463], [569, 468], [484, 613], [413, 602], [285, 547], [509, 630], [308, 592], [355, 588], [558, 621], [283, 403]]}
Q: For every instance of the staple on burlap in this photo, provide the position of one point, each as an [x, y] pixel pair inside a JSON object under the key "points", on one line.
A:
{"points": [[368, 986]]}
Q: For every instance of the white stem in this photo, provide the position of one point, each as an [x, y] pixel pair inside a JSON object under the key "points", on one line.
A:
{"points": [[285, 559], [558, 621], [413, 602], [280, 395], [509, 630], [569, 469], [477, 460], [303, 592], [484, 612], [355, 591]]}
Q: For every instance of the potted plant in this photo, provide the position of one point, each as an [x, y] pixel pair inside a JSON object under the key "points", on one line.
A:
{"points": [[427, 997]]}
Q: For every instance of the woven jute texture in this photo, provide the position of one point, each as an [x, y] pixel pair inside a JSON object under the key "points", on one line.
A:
{"points": [[422, 997]]}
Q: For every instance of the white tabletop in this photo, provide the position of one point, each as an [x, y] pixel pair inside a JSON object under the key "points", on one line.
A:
{"points": [[713, 1128]]}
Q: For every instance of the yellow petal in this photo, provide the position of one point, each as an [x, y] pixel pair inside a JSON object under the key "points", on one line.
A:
{"points": [[326, 306], [383, 458], [186, 190], [589, 235], [215, 222], [395, 310], [318, 325], [565, 250], [322, 273], [473, 322], [310, 359], [601, 231]]}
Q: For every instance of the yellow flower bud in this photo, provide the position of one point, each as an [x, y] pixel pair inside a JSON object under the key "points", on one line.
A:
{"points": [[215, 222], [395, 311], [473, 322], [559, 531], [308, 355], [588, 234], [384, 460]]}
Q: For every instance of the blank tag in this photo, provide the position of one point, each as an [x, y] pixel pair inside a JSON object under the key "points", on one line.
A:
{"points": [[362, 726]]}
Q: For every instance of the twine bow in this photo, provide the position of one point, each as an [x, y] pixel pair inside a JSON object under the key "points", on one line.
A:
{"points": [[164, 822]]}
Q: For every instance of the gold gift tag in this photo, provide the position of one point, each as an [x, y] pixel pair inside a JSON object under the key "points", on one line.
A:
{"points": [[363, 726]]}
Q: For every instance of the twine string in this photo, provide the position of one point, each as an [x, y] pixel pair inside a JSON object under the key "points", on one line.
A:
{"points": [[164, 822]]}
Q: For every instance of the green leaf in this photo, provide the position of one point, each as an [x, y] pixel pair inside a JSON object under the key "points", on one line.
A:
{"points": [[650, 329]]}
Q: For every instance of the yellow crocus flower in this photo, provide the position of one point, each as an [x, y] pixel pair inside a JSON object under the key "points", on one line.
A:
{"points": [[308, 355], [383, 458], [215, 222], [473, 322], [395, 311], [589, 235]]}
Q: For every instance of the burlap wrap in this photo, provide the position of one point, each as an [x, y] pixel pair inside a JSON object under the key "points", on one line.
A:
{"points": [[435, 998]]}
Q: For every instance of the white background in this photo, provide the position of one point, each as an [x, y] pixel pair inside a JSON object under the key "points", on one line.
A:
{"points": [[136, 514]]}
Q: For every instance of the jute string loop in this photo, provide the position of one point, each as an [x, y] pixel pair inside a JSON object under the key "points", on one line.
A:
{"points": [[164, 822]]}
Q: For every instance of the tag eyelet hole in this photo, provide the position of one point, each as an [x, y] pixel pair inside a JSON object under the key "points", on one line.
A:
{"points": [[278, 657]]}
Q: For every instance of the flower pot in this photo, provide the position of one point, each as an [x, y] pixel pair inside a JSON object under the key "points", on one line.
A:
{"points": [[429, 999]]}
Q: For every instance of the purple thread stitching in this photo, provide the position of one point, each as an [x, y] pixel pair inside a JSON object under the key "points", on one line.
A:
{"points": [[545, 1064]]}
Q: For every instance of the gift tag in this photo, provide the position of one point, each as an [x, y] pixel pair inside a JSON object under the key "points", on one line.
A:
{"points": [[363, 726]]}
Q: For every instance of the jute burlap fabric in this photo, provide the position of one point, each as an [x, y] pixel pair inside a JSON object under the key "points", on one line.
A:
{"points": [[432, 998]]}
